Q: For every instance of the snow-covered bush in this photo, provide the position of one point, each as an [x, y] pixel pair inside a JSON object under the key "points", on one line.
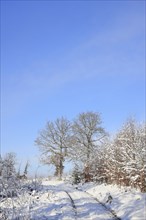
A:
{"points": [[125, 162], [129, 155], [122, 160]]}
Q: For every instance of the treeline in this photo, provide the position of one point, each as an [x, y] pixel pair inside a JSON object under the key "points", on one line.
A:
{"points": [[97, 157]]}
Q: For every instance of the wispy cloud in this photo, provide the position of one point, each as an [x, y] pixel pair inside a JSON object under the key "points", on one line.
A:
{"points": [[108, 52]]}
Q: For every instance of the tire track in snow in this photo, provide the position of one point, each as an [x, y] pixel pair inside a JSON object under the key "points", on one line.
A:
{"points": [[77, 214], [108, 209], [73, 204]]}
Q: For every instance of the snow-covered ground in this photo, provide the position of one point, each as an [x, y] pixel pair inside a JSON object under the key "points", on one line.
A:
{"points": [[56, 200], [127, 203]]}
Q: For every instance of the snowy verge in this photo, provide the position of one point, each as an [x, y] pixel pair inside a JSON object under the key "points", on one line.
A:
{"points": [[127, 203], [48, 201]]}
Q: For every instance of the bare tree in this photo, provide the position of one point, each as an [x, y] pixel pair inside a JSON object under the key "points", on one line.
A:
{"points": [[87, 136], [53, 142]]}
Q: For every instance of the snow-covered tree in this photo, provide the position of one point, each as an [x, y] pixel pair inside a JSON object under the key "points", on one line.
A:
{"points": [[8, 165], [87, 137], [53, 142], [99, 164], [122, 160], [26, 169], [126, 163], [77, 174], [25, 172], [132, 142], [8, 177]]}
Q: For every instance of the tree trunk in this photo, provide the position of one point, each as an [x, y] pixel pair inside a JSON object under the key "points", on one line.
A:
{"points": [[61, 164]]}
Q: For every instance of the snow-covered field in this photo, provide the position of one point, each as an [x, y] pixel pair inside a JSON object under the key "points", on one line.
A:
{"points": [[57, 200]]}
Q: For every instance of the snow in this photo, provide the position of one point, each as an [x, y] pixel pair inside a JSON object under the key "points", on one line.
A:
{"points": [[127, 203], [57, 200]]}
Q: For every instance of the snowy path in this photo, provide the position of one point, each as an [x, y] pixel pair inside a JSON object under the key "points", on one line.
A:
{"points": [[56, 201], [88, 208], [84, 206]]}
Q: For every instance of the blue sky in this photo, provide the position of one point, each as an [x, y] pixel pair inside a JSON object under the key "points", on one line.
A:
{"points": [[61, 58]]}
